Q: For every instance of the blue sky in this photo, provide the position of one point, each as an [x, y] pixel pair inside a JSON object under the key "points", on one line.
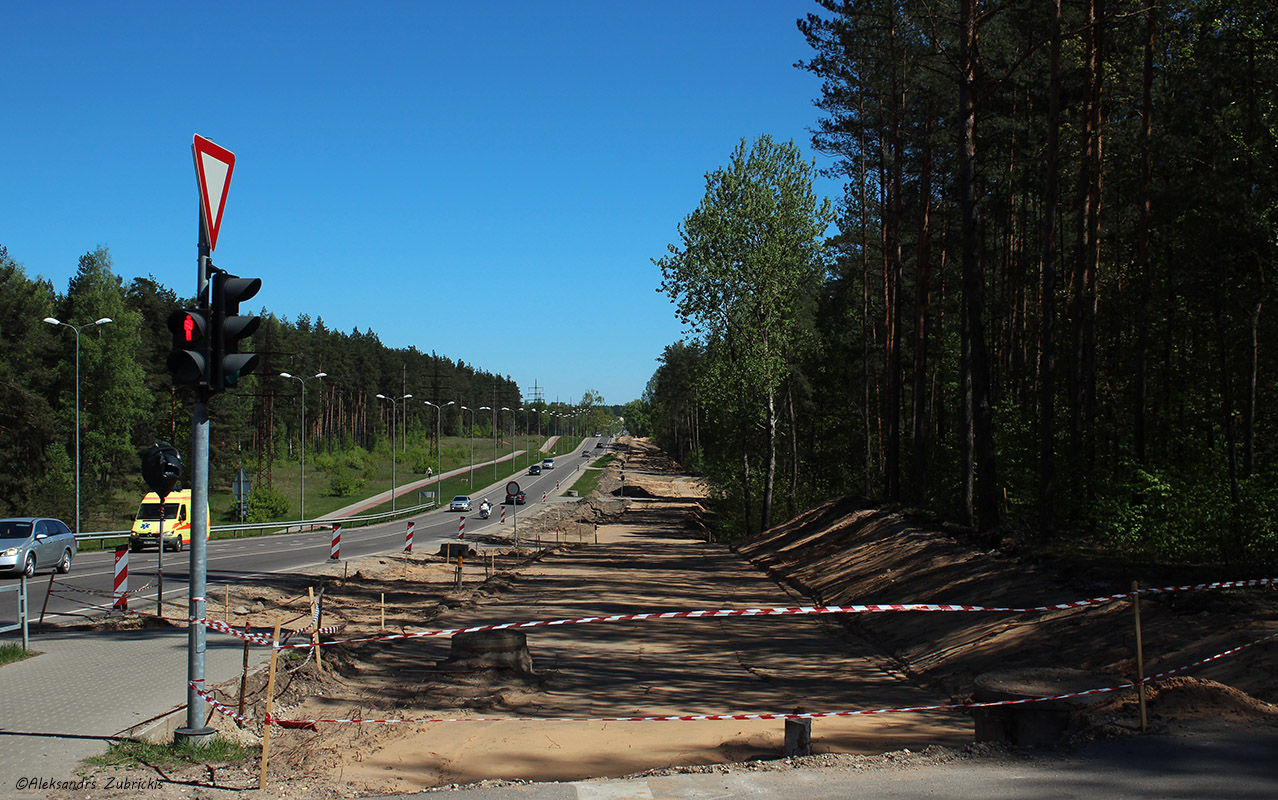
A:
{"points": [[458, 177]]}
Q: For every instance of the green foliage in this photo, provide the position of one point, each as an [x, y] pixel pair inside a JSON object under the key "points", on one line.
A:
{"points": [[10, 653], [345, 483], [418, 459], [137, 753], [265, 505]]}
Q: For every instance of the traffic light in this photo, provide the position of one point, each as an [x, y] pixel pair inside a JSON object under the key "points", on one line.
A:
{"points": [[228, 363], [189, 360]]}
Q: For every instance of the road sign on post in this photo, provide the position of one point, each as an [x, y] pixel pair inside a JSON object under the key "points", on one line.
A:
{"points": [[241, 487], [213, 168]]}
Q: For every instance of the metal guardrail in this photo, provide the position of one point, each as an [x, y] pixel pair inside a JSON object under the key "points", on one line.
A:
{"points": [[282, 526], [21, 588]]}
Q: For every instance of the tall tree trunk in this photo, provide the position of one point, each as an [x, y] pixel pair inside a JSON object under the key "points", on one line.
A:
{"points": [[1047, 367], [770, 468], [1227, 402], [922, 295], [892, 283], [1249, 432], [745, 480], [794, 447], [1142, 243], [866, 326], [1083, 266], [981, 462]]}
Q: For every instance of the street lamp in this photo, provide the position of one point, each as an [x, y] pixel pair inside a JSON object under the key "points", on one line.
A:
{"points": [[470, 485], [512, 437], [394, 401], [303, 380], [55, 321], [439, 446], [489, 408], [525, 412]]}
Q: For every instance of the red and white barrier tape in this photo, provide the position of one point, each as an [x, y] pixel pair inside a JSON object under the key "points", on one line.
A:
{"points": [[311, 723], [60, 587], [768, 612]]}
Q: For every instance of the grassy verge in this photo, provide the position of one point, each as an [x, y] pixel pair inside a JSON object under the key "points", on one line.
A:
{"points": [[133, 753], [10, 653], [590, 476]]}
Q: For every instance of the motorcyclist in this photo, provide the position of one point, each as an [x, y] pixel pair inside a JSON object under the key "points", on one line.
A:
{"points": [[485, 507]]}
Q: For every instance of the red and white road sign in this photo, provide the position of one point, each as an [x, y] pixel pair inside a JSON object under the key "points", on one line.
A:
{"points": [[213, 168], [120, 586]]}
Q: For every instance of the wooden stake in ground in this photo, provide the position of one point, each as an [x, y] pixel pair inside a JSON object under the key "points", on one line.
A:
{"points": [[244, 672], [44, 607], [1140, 657], [226, 604], [270, 693], [382, 627], [316, 611]]}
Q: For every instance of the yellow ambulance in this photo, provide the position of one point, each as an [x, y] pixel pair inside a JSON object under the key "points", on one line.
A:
{"points": [[177, 521]]}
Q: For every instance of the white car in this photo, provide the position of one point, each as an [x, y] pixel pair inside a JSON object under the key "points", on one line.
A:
{"points": [[547, 463], [460, 503]]}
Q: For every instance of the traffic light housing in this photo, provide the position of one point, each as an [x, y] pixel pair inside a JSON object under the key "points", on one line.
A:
{"points": [[227, 363], [189, 360]]}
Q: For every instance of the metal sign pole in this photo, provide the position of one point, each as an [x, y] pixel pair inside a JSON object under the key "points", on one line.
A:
{"points": [[195, 731]]}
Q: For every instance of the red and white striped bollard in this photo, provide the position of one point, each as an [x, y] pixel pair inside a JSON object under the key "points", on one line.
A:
{"points": [[120, 586], [461, 528], [408, 539], [335, 550], [503, 515]]}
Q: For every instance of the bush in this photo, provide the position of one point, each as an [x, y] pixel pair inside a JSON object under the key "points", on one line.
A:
{"points": [[265, 504], [419, 459], [344, 483]]}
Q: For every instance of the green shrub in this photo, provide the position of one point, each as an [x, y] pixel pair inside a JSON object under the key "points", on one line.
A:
{"points": [[265, 504], [344, 483]]}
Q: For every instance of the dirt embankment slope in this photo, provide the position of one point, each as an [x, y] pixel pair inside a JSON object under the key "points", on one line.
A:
{"points": [[843, 553]]}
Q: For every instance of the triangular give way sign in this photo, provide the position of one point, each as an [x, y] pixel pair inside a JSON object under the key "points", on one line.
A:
{"points": [[213, 167]]}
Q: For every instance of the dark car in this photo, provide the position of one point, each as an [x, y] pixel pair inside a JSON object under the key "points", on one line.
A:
{"points": [[535, 469], [30, 542], [516, 499]]}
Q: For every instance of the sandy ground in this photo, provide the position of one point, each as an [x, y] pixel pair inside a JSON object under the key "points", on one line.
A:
{"points": [[606, 556]]}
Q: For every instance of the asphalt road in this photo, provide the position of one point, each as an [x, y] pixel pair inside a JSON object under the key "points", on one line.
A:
{"points": [[244, 561]]}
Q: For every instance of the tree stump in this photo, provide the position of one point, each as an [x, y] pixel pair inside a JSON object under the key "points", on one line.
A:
{"points": [[1032, 724], [488, 650]]}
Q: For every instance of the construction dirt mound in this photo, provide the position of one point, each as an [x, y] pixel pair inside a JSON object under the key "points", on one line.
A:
{"points": [[379, 716]]}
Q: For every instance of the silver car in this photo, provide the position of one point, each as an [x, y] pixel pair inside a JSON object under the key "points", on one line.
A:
{"points": [[460, 503], [30, 542]]}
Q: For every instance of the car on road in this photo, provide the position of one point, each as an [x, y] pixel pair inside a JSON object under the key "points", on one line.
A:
{"points": [[516, 499], [27, 543], [547, 463], [460, 503], [535, 469], [598, 445], [585, 454]]}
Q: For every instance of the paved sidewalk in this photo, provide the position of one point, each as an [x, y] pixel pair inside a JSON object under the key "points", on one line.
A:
{"points": [[86, 687]]}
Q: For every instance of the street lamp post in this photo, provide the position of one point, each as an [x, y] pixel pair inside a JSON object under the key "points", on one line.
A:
{"points": [[303, 380], [394, 401], [103, 321], [489, 408], [470, 482], [439, 447], [512, 437]]}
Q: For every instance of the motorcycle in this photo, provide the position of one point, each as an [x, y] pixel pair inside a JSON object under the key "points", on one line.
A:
{"points": [[484, 511]]}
